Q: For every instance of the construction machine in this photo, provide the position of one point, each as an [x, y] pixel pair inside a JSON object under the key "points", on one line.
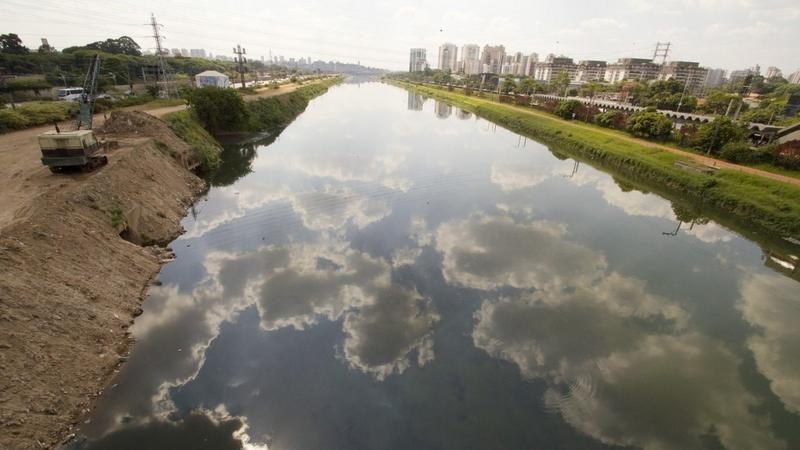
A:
{"points": [[79, 148]]}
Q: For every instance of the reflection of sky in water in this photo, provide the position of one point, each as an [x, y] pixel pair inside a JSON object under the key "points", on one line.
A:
{"points": [[395, 273]]}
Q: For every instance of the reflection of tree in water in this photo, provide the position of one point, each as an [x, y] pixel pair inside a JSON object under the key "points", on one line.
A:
{"points": [[685, 213], [237, 161]]}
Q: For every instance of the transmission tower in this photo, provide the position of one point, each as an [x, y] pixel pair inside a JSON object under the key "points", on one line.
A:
{"points": [[662, 51], [163, 72], [240, 52]]}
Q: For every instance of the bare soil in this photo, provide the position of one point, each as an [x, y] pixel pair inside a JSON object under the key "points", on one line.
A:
{"points": [[73, 272]]}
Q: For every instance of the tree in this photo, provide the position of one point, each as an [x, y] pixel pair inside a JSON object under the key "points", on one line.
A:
{"points": [[559, 83], [566, 109], [219, 109], [611, 119], [711, 137], [11, 43], [508, 85], [123, 45], [649, 124]]}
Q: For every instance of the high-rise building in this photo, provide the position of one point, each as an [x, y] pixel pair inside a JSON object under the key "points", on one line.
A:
{"points": [[184, 52], [492, 58], [715, 78], [530, 64], [590, 71], [448, 57], [687, 73], [417, 61], [738, 76], [197, 53], [470, 63], [795, 78], [773, 72], [639, 69], [553, 65]]}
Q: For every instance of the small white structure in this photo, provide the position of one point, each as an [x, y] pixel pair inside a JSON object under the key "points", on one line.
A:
{"points": [[212, 78]]}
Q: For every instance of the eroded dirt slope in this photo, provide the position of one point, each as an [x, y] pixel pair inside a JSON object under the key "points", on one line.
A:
{"points": [[70, 285]]}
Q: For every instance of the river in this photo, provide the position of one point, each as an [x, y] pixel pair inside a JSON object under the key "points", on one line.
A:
{"points": [[392, 272]]}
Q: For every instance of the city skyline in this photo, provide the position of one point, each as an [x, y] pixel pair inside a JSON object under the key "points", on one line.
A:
{"points": [[725, 34]]}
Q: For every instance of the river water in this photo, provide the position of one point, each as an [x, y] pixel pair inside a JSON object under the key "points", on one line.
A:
{"points": [[392, 273]]}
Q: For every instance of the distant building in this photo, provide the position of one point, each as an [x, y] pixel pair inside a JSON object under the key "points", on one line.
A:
{"points": [[176, 52], [197, 53], [417, 60], [492, 58], [794, 78], [553, 65], [470, 63], [687, 73], [738, 76], [632, 69], [212, 78], [518, 64], [590, 71], [773, 72], [184, 52], [715, 78], [448, 57], [530, 64]]}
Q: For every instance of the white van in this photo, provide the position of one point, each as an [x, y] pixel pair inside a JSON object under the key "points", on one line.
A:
{"points": [[70, 94]]}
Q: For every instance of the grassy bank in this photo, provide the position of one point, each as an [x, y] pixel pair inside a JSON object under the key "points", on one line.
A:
{"points": [[772, 205], [266, 114], [204, 145], [276, 112]]}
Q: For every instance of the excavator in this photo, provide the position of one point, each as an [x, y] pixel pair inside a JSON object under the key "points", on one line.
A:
{"points": [[64, 150]]}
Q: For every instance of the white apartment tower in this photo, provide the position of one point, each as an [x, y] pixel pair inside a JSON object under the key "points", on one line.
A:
{"points": [[448, 57], [470, 59], [417, 61]]}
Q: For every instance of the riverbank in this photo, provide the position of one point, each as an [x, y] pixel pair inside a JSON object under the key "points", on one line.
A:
{"points": [[77, 259], [758, 200]]}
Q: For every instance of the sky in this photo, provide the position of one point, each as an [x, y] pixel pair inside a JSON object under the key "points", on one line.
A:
{"points": [[729, 34]]}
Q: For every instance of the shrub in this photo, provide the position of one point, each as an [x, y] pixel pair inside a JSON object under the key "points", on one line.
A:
{"points": [[219, 109], [738, 152], [649, 124], [713, 136], [205, 148], [566, 108], [11, 119], [788, 155], [611, 119]]}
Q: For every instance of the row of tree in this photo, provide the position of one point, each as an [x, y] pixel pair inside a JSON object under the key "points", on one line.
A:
{"points": [[775, 93]]}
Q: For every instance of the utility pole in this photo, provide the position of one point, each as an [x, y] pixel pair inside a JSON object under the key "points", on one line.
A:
{"points": [[162, 72], [240, 52]]}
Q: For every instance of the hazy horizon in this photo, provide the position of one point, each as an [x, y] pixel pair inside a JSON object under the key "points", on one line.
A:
{"points": [[732, 34]]}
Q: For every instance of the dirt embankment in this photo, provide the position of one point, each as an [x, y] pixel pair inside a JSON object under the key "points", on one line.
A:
{"points": [[73, 273]]}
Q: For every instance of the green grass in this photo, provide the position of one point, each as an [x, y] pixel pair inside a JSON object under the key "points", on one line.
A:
{"points": [[770, 204], [32, 114], [205, 148], [276, 112]]}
